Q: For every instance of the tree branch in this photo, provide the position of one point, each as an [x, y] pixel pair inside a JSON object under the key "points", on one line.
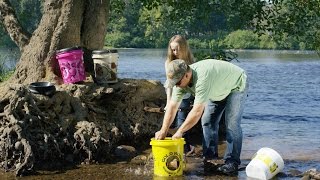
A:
{"points": [[11, 24]]}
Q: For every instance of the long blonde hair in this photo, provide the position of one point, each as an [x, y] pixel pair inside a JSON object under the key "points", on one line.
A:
{"points": [[184, 50]]}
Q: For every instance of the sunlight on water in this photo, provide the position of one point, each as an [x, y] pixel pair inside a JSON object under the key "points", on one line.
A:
{"points": [[139, 171], [146, 169]]}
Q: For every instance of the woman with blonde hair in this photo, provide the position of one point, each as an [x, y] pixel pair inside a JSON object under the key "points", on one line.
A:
{"points": [[178, 48]]}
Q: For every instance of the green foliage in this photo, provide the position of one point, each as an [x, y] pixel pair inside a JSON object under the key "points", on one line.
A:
{"points": [[5, 71], [157, 30], [207, 24], [155, 22], [293, 20], [213, 14], [266, 42], [5, 40], [139, 42], [245, 39], [8, 58], [117, 39], [242, 39], [225, 55], [196, 43], [29, 13], [6, 75], [286, 41]]}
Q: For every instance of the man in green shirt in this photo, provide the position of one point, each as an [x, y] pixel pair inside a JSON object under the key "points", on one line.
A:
{"points": [[218, 86]]}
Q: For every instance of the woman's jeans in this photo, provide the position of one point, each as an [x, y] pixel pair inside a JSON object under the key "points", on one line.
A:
{"points": [[233, 106]]}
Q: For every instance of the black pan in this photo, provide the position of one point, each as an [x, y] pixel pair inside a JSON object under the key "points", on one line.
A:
{"points": [[45, 88]]}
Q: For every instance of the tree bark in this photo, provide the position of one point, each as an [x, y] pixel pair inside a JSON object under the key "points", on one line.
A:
{"points": [[95, 19]]}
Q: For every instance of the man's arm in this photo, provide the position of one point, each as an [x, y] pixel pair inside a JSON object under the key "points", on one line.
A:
{"points": [[191, 120], [169, 116], [169, 93]]}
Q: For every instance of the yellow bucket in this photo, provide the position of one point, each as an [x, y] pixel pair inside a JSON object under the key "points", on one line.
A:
{"points": [[168, 156]]}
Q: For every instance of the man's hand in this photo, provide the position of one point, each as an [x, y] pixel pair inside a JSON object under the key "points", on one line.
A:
{"points": [[169, 115], [160, 135], [177, 135]]}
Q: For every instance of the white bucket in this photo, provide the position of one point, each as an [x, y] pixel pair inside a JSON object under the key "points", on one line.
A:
{"points": [[265, 164], [105, 65]]}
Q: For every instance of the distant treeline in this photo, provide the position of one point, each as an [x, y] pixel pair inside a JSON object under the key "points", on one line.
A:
{"points": [[131, 25], [223, 28], [240, 39]]}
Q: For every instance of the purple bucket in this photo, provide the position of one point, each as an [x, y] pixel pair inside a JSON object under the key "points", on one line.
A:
{"points": [[71, 65]]}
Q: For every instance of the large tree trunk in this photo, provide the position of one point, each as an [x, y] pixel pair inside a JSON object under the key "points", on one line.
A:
{"points": [[65, 23]]}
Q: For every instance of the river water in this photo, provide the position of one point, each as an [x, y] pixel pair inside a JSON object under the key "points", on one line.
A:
{"points": [[282, 111], [283, 107]]}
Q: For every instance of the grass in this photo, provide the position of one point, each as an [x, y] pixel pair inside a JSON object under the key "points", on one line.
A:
{"points": [[8, 56], [6, 75]]}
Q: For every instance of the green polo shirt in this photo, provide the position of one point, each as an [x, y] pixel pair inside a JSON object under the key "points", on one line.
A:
{"points": [[212, 80]]}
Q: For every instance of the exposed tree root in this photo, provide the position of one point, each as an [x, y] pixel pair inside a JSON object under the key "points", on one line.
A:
{"points": [[79, 123]]}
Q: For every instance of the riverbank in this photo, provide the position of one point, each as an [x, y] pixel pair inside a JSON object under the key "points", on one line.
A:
{"points": [[141, 167]]}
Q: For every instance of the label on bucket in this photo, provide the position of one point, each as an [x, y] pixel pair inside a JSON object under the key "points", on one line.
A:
{"points": [[102, 73], [267, 161], [105, 65], [172, 162]]}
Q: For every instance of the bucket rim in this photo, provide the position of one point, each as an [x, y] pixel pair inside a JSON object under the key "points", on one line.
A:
{"points": [[269, 150], [104, 51], [68, 49], [166, 141]]}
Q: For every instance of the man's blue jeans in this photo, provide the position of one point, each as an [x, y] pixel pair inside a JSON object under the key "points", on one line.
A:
{"points": [[233, 106]]}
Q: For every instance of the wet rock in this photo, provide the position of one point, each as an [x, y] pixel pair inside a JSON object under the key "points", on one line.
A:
{"points": [[125, 152], [294, 172], [140, 159], [69, 158], [312, 174], [18, 145]]}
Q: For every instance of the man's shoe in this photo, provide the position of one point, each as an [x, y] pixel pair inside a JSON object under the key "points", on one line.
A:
{"points": [[229, 168], [212, 165]]}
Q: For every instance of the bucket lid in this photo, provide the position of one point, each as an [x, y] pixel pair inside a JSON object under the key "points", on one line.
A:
{"points": [[68, 49], [104, 51]]}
